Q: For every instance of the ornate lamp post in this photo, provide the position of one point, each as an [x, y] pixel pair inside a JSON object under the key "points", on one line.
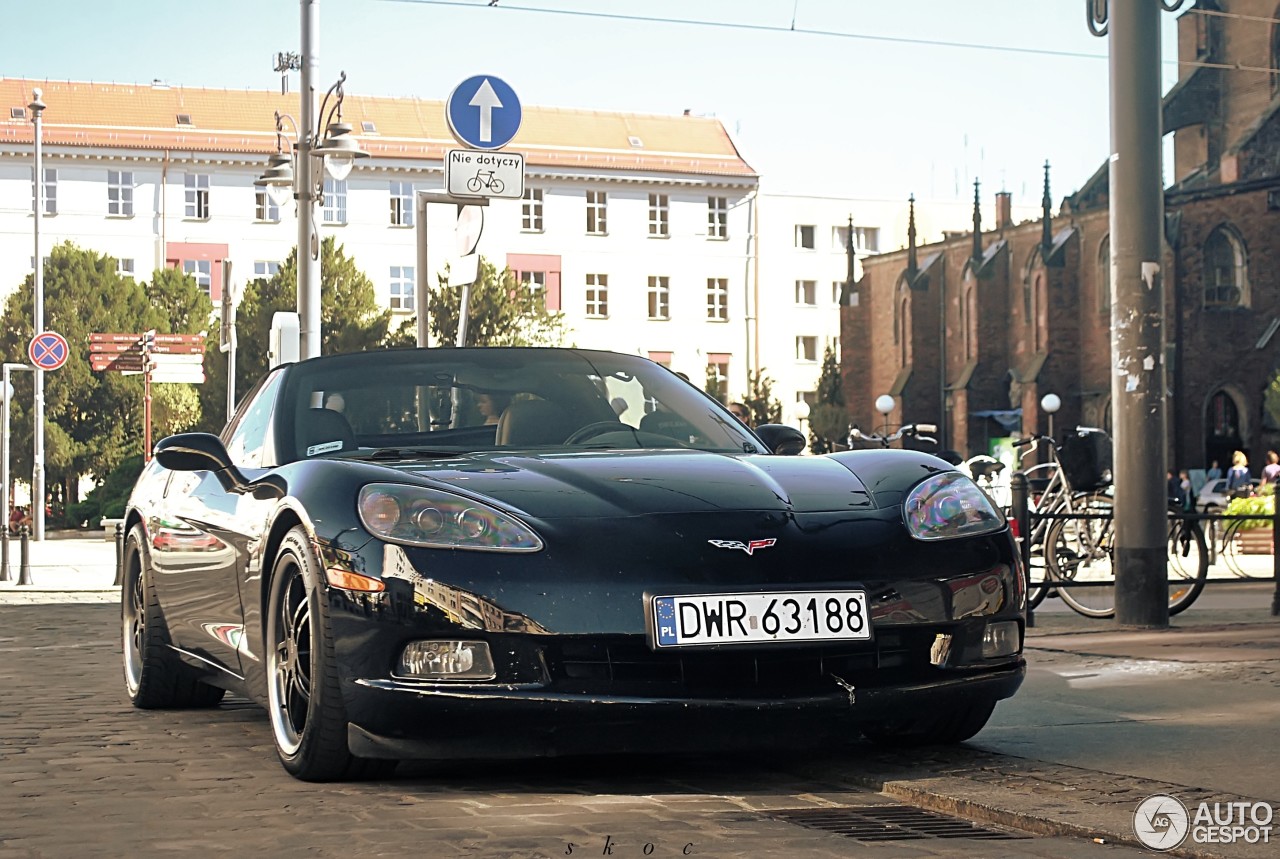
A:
{"points": [[1050, 403], [884, 405], [339, 150]]}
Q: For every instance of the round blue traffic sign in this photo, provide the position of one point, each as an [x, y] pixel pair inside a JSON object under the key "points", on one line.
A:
{"points": [[483, 112], [48, 350]]}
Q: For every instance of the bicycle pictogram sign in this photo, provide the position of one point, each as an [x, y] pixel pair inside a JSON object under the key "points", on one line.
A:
{"points": [[48, 350]]}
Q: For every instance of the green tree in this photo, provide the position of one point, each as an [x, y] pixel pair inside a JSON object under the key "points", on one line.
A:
{"points": [[93, 420], [1271, 399], [762, 406], [350, 319], [500, 312], [181, 301], [828, 419]]}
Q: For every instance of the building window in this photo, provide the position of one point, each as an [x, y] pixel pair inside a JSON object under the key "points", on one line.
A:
{"points": [[120, 193], [50, 191], [1104, 275], [596, 203], [598, 295], [718, 299], [807, 292], [659, 297], [197, 196], [401, 290], [402, 204], [202, 271], [807, 349], [265, 209], [717, 218], [659, 216], [335, 201], [804, 236], [867, 239], [718, 376], [264, 268], [1226, 283], [535, 282], [531, 211], [124, 268]]}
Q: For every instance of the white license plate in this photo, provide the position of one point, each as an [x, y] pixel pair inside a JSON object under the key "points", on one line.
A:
{"points": [[690, 620]]}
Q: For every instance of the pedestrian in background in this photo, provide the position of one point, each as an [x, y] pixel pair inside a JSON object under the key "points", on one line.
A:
{"points": [[1214, 472], [1188, 497], [1271, 471], [1176, 496], [1238, 475]]}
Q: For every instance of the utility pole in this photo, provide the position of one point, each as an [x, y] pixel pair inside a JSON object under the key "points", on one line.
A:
{"points": [[37, 472], [1137, 315], [308, 239]]}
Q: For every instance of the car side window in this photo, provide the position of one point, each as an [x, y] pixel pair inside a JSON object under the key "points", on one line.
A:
{"points": [[248, 440]]}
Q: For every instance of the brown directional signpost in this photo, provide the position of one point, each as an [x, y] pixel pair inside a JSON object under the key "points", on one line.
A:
{"points": [[160, 358]]}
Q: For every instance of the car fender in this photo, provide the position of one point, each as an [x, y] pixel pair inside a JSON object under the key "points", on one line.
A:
{"points": [[890, 474]]}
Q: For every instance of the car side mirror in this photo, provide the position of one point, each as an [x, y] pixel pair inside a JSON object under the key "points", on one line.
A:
{"points": [[200, 451], [782, 439]]}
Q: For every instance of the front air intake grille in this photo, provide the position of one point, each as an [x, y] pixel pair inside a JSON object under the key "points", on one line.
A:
{"points": [[625, 663]]}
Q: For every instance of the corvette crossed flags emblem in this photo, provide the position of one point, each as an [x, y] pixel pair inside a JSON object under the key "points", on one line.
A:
{"points": [[749, 548]]}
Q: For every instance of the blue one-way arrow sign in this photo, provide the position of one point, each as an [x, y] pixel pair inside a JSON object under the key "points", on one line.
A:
{"points": [[483, 112]]}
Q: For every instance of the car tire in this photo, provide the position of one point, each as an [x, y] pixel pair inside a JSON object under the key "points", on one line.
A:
{"points": [[304, 698], [154, 676], [950, 726]]}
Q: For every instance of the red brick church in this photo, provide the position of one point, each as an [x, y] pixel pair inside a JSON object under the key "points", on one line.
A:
{"points": [[973, 331]]}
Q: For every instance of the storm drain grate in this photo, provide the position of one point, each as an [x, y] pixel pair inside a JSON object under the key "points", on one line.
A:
{"points": [[889, 823]]}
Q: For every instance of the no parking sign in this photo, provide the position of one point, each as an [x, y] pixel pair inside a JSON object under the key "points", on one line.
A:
{"points": [[48, 350]]}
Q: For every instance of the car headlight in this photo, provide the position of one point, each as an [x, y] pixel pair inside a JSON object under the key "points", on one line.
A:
{"points": [[419, 516], [950, 505]]}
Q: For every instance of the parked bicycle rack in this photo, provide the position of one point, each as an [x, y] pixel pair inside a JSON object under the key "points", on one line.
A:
{"points": [[1224, 544]]}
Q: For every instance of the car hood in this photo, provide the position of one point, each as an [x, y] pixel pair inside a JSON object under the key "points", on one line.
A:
{"points": [[627, 483]]}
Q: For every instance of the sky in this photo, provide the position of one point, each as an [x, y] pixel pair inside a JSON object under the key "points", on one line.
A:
{"points": [[849, 98]]}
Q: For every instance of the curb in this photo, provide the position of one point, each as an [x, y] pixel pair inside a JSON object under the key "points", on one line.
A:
{"points": [[1041, 798]]}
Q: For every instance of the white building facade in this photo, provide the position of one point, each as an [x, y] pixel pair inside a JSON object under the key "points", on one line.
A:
{"points": [[649, 233]]}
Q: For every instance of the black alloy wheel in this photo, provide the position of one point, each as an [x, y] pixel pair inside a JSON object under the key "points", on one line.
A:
{"points": [[154, 676], [304, 700]]}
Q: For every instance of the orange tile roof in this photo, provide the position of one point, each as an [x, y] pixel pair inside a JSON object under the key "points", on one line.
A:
{"points": [[144, 116]]}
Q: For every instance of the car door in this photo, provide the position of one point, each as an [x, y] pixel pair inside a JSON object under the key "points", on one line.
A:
{"points": [[200, 538]]}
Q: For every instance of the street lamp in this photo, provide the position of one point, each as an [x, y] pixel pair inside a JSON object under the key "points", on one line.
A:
{"points": [[1050, 403], [338, 149], [37, 467], [802, 413], [884, 405]]}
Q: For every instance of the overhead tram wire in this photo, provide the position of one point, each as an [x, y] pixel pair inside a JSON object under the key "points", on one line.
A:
{"points": [[837, 34], [762, 28]]}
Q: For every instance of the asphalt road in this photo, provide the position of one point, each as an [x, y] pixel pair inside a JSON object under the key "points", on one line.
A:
{"points": [[82, 773]]}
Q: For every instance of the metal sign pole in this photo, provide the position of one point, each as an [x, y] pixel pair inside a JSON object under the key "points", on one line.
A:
{"points": [[421, 291], [37, 470]]}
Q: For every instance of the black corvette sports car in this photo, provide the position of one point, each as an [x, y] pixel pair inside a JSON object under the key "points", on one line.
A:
{"points": [[463, 553]]}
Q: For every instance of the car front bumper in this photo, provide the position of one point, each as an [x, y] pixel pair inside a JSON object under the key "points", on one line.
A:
{"points": [[394, 719]]}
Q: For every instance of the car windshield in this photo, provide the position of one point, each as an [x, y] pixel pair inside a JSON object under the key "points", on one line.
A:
{"points": [[463, 400]]}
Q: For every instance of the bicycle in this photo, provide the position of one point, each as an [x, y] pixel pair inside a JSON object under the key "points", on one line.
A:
{"points": [[905, 431], [485, 179], [1075, 534]]}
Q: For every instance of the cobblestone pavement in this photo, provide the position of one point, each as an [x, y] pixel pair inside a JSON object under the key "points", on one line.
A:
{"points": [[84, 774]]}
